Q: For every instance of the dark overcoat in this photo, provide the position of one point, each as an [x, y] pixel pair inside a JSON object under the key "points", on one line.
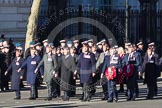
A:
{"points": [[31, 64], [15, 79], [86, 66], [150, 68], [67, 68]]}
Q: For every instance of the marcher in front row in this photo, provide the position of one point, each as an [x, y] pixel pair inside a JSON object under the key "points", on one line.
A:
{"points": [[50, 71], [31, 63], [68, 71], [133, 62], [150, 68], [87, 68], [16, 76], [112, 63]]}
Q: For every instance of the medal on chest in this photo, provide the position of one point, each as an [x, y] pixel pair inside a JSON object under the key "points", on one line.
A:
{"points": [[49, 59], [87, 56], [114, 60], [33, 62], [17, 63]]}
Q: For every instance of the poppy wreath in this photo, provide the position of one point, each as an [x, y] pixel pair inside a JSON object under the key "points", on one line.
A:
{"points": [[110, 73], [128, 70]]}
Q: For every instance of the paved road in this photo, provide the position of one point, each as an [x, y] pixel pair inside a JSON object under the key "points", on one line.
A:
{"points": [[6, 100]]}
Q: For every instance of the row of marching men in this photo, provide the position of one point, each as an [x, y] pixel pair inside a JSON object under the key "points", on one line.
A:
{"points": [[92, 63]]}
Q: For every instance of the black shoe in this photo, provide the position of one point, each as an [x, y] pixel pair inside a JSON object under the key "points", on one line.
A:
{"points": [[116, 100], [137, 95], [149, 97], [81, 98], [49, 99], [155, 94], [7, 89], [55, 96], [2, 90], [84, 99], [88, 99], [17, 98], [109, 101], [128, 99], [133, 99], [104, 98], [32, 98]]}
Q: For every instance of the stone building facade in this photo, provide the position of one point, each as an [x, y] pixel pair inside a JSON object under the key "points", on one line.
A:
{"points": [[14, 17]]}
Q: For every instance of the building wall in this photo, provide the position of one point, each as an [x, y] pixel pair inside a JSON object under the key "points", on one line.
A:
{"points": [[14, 17], [159, 4], [120, 4]]}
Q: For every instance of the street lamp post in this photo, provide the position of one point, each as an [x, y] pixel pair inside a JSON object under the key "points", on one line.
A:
{"points": [[126, 21]]}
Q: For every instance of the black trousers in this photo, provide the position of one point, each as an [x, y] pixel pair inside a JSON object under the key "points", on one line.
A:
{"points": [[131, 82], [17, 93], [152, 87], [4, 81], [33, 91], [156, 88], [86, 91], [104, 87], [136, 88]]}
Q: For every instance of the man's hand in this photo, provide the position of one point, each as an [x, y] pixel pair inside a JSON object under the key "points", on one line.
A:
{"points": [[6, 73], [21, 77], [42, 76], [139, 74], [93, 74], [36, 70], [75, 72], [102, 75], [56, 75], [19, 70], [53, 72]]}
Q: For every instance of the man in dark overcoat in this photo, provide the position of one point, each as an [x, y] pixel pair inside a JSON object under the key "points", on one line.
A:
{"points": [[30, 64], [16, 76], [134, 58], [68, 68], [87, 68]]}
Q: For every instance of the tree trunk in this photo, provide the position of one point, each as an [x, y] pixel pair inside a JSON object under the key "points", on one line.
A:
{"points": [[32, 22]]}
